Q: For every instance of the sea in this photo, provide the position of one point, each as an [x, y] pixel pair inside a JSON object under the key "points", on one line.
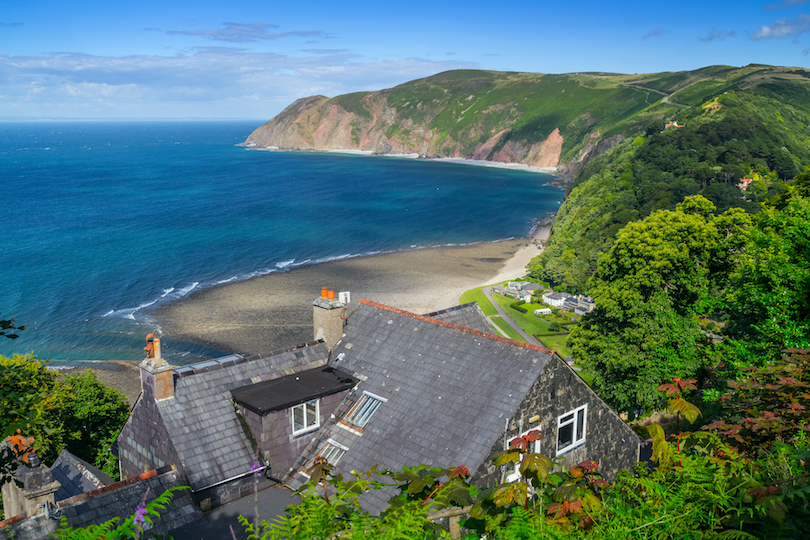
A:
{"points": [[102, 222]]}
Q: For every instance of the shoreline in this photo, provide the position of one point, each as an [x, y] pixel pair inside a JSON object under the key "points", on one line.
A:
{"points": [[265, 312], [553, 171], [274, 310]]}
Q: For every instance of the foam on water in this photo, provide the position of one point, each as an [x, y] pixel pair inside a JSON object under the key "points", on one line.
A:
{"points": [[103, 237]]}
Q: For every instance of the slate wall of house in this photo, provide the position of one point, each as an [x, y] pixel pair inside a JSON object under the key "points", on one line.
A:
{"points": [[144, 443], [558, 391], [274, 433]]}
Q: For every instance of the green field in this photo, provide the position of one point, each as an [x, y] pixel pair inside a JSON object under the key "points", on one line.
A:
{"points": [[477, 295], [507, 329]]}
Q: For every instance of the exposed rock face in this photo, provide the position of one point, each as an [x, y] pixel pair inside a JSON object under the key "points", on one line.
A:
{"points": [[317, 123]]}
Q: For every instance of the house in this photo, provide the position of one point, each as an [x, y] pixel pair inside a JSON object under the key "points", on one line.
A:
{"points": [[80, 494], [385, 387], [542, 311], [555, 299], [673, 124], [744, 183]]}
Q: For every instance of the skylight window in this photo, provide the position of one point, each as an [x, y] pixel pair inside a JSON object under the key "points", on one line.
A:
{"points": [[332, 451], [365, 409]]}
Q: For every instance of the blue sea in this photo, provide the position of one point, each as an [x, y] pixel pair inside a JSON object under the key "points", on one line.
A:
{"points": [[104, 221]]}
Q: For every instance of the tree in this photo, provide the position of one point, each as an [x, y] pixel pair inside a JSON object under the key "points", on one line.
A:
{"points": [[79, 414], [659, 274], [770, 289], [92, 419]]}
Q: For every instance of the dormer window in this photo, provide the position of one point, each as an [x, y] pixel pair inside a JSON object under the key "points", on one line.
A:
{"points": [[365, 409], [306, 416]]}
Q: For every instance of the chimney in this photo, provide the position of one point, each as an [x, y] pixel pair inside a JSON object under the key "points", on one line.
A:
{"points": [[157, 377], [32, 485], [327, 318]]}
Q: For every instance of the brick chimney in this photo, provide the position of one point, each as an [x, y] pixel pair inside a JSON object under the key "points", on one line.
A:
{"points": [[328, 318], [157, 378], [32, 485]]}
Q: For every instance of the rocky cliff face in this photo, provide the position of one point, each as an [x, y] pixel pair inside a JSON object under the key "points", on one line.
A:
{"points": [[314, 123], [534, 119]]}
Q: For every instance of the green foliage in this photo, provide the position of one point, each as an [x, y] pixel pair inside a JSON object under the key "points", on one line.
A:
{"points": [[767, 405], [131, 528], [708, 156], [92, 419], [771, 286], [24, 391], [79, 413], [659, 274]]}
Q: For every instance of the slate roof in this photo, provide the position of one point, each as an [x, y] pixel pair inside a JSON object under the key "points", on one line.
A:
{"points": [[201, 420], [468, 315], [290, 390], [450, 391], [76, 476], [120, 499]]}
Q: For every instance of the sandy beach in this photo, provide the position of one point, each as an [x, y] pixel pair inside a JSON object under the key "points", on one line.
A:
{"points": [[275, 310]]}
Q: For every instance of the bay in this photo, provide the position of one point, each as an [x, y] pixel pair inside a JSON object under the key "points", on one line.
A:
{"points": [[104, 221]]}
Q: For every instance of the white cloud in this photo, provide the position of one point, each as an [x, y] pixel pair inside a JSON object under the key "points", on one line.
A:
{"points": [[784, 28], [716, 34], [245, 33], [215, 82]]}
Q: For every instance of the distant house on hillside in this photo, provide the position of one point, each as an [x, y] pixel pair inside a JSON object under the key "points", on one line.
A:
{"points": [[744, 183], [555, 299], [672, 124]]}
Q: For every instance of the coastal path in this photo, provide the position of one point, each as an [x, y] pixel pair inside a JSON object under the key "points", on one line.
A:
{"points": [[529, 339]]}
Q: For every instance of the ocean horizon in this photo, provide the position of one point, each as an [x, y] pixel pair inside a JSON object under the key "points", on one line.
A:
{"points": [[106, 221]]}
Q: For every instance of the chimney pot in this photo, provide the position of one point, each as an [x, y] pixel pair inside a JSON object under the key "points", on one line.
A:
{"points": [[330, 294], [323, 292]]}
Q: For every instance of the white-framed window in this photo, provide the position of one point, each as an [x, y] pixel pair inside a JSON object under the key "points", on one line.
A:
{"points": [[306, 416], [534, 448], [365, 409], [571, 429], [332, 451]]}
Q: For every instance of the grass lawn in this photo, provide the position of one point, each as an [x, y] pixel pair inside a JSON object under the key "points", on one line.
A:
{"points": [[507, 329], [476, 295], [529, 323], [557, 343]]}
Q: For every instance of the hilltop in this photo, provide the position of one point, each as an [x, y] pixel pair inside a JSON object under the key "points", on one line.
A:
{"points": [[542, 120]]}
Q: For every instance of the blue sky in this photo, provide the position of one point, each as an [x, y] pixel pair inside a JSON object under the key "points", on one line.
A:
{"points": [[214, 59]]}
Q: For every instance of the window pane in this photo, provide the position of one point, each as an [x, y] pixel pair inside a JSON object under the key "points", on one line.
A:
{"points": [[363, 412], [332, 453], [567, 418], [580, 424], [312, 413], [565, 436], [298, 418]]}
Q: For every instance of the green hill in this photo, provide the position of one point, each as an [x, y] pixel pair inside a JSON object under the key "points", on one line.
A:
{"points": [[753, 123], [537, 119]]}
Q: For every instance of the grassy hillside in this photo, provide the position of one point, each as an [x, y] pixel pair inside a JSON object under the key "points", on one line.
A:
{"points": [[758, 131]]}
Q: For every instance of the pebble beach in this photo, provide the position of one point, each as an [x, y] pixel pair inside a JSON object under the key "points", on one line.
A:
{"points": [[275, 310]]}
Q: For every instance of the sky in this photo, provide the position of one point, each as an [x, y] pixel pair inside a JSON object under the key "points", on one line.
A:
{"points": [[177, 59]]}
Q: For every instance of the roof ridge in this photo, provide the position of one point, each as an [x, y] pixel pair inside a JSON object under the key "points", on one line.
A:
{"points": [[458, 327], [205, 366], [86, 495]]}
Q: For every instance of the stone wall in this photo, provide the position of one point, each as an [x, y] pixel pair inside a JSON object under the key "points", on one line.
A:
{"points": [[559, 390], [144, 442]]}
